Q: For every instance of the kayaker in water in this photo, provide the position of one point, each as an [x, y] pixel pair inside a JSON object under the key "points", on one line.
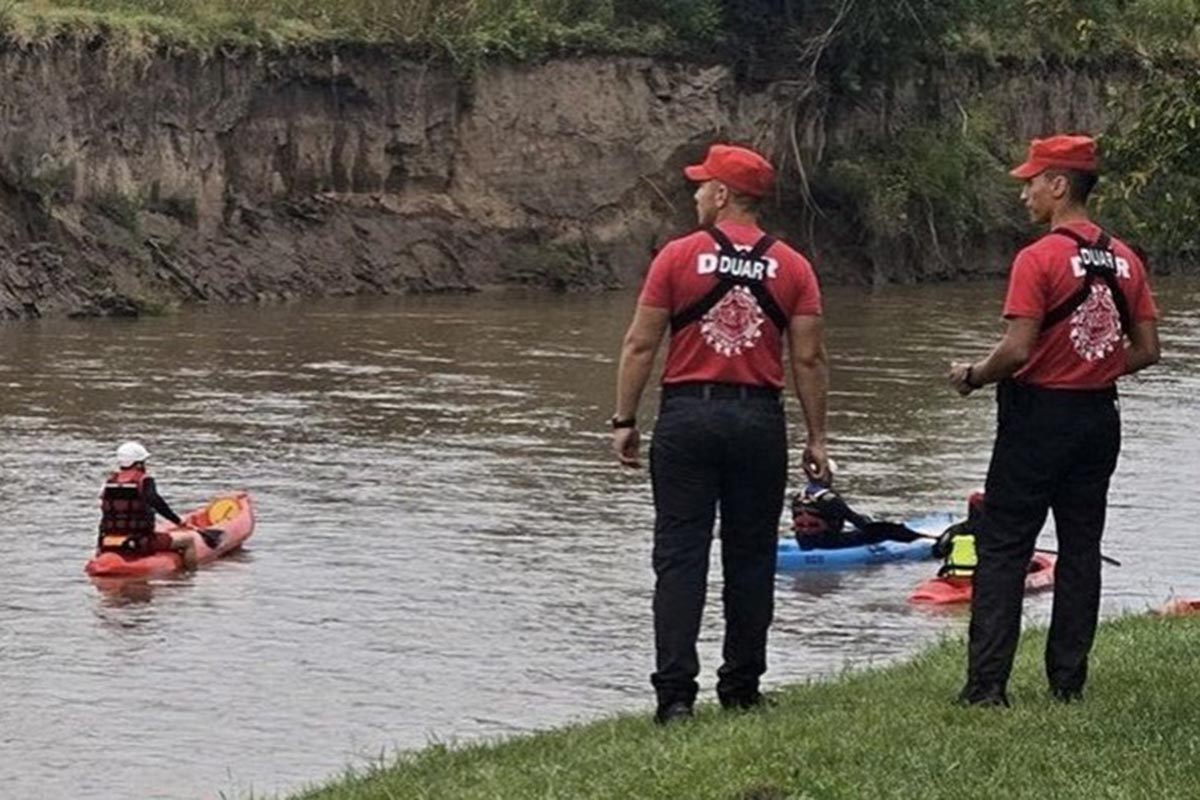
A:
{"points": [[956, 545], [128, 503], [822, 520], [1079, 315], [819, 517]]}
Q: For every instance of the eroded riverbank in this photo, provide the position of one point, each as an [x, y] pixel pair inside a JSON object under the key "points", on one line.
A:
{"points": [[134, 185]]}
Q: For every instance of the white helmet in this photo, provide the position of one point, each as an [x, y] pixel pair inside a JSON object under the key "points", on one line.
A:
{"points": [[131, 453]]}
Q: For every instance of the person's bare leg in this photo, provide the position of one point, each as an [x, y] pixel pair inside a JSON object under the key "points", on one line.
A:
{"points": [[186, 547]]}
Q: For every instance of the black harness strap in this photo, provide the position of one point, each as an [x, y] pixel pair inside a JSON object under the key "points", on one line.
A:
{"points": [[726, 283], [1108, 274]]}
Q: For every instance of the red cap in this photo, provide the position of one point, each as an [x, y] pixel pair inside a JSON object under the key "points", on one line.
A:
{"points": [[739, 168], [1058, 152]]}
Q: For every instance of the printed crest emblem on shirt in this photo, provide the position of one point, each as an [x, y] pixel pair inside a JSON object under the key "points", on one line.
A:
{"points": [[1096, 325], [733, 325]]}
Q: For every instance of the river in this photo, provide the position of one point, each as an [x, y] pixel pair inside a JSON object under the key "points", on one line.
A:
{"points": [[445, 549]]}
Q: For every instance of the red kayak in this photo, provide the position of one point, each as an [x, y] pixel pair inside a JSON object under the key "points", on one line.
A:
{"points": [[233, 515], [945, 591]]}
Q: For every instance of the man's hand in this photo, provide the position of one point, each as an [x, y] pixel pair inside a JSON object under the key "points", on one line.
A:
{"points": [[816, 464], [625, 443], [959, 373]]}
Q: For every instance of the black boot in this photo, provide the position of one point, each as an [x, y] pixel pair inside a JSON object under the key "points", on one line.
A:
{"points": [[673, 713], [984, 696]]}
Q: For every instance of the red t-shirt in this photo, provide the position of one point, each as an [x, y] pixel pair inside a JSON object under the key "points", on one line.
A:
{"points": [[1085, 350], [735, 342]]}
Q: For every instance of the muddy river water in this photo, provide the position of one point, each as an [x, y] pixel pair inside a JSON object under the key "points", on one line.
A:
{"points": [[445, 548]]}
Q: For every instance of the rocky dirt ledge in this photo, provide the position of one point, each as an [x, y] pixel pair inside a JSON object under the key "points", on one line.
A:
{"points": [[130, 185], [127, 186]]}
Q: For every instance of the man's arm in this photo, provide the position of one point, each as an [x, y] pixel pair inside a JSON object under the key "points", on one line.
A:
{"points": [[1004, 361], [1143, 349], [641, 343], [810, 376], [155, 501]]}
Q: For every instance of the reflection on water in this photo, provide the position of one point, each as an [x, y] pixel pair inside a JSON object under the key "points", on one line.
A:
{"points": [[445, 547]]}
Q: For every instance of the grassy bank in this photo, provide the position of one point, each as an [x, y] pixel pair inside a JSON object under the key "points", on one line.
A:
{"points": [[463, 30], [858, 44], [890, 732]]}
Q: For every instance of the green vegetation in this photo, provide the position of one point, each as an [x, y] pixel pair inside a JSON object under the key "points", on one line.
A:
{"points": [[1098, 31], [861, 41], [886, 733], [858, 43], [464, 30], [1155, 159], [123, 209], [936, 188]]}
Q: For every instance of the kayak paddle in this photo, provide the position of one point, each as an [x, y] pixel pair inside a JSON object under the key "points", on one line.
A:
{"points": [[903, 533], [211, 536]]}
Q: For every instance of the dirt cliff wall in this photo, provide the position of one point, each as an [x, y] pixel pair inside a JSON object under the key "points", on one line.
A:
{"points": [[126, 185]]}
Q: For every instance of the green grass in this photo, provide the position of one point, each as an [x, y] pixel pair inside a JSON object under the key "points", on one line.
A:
{"points": [[876, 39], [885, 733], [464, 30]]}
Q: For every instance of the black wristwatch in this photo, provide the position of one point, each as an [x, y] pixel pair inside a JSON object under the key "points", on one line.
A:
{"points": [[618, 423], [967, 379]]}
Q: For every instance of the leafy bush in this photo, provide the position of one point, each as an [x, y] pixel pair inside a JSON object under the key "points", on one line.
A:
{"points": [[1153, 159], [464, 29], [934, 187]]}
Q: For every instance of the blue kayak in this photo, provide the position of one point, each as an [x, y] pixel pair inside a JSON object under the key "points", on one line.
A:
{"points": [[792, 559]]}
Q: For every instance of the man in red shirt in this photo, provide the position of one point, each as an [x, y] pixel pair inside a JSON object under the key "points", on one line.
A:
{"points": [[1080, 315], [731, 296]]}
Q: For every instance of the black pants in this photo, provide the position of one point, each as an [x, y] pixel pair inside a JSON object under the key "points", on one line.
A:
{"points": [[731, 452], [1055, 450]]}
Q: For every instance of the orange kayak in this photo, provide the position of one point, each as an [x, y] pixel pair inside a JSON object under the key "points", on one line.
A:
{"points": [[945, 591], [233, 515]]}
